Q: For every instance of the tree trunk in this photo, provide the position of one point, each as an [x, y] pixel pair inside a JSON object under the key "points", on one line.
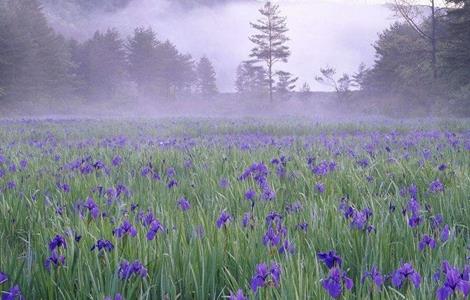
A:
{"points": [[433, 40]]}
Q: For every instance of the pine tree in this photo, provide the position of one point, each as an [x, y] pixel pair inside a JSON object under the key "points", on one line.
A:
{"points": [[285, 84], [206, 78], [270, 41], [102, 63], [251, 80], [142, 58]]}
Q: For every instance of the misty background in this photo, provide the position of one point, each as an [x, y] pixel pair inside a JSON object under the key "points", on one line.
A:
{"points": [[321, 32], [209, 58]]}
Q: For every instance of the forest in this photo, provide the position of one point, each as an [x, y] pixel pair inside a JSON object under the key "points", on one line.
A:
{"points": [[422, 60]]}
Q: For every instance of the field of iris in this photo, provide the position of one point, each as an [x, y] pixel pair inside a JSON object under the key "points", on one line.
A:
{"points": [[201, 209]]}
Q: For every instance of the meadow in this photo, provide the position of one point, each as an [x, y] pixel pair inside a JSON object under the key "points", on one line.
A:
{"points": [[246, 209]]}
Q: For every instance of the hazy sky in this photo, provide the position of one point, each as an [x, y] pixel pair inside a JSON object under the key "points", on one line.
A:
{"points": [[322, 32]]}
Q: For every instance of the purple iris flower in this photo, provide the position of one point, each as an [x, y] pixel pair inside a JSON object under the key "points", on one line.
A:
{"points": [[127, 270], [155, 227], [57, 242], [3, 278], [103, 245], [126, 228], [224, 183], [172, 183], [273, 217], [238, 296], [287, 248], [250, 194], [302, 226], [116, 297], [445, 232], [246, 219], [117, 160], [184, 204], [272, 237], [223, 219], [330, 259], [426, 241], [436, 186], [336, 282], [13, 294], [376, 277], [404, 272], [55, 259], [455, 282], [320, 187], [266, 276], [294, 207], [92, 208]]}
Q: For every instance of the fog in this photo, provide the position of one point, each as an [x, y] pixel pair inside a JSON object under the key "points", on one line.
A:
{"points": [[338, 34]]}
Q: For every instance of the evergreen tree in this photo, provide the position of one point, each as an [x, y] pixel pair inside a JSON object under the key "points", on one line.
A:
{"points": [[142, 58], [206, 78], [34, 61], [251, 80], [285, 84], [102, 63], [270, 41]]}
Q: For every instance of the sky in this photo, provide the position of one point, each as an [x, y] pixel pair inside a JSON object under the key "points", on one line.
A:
{"points": [[322, 33]]}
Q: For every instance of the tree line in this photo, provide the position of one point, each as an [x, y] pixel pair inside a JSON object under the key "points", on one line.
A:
{"points": [[424, 58], [36, 62]]}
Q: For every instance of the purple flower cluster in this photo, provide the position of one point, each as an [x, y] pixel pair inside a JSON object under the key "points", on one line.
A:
{"points": [[55, 259], [224, 219], [126, 229], [266, 276], [259, 172], [127, 270], [455, 282], [359, 219]]}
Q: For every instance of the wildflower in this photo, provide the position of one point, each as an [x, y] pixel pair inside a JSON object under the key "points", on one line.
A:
{"points": [[273, 217], [92, 208], [330, 259], [116, 297], [246, 220], [294, 207], [265, 276], [442, 167], [103, 245], [224, 183], [11, 185], [302, 226], [436, 186], [223, 219], [336, 282], [170, 172], [13, 294], [287, 248], [406, 271], [360, 218], [55, 259], [172, 183], [127, 270], [155, 227], [184, 204], [117, 160], [57, 242], [238, 296], [272, 237], [426, 241], [126, 228], [250, 194], [374, 275], [320, 187], [455, 282], [3, 277], [445, 232]]}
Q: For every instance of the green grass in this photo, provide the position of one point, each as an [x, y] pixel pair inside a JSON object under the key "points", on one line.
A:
{"points": [[182, 266]]}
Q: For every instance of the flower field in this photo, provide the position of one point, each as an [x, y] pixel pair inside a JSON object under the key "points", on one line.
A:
{"points": [[200, 209]]}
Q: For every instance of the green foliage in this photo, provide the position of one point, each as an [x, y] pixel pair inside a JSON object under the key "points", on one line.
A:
{"points": [[180, 264]]}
